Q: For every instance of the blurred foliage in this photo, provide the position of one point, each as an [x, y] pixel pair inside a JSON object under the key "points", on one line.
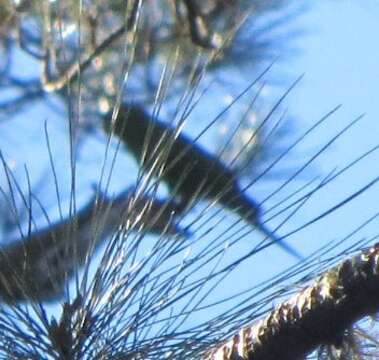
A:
{"points": [[138, 39], [152, 51]]}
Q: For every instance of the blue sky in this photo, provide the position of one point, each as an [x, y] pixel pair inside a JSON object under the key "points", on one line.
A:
{"points": [[340, 61], [340, 58]]}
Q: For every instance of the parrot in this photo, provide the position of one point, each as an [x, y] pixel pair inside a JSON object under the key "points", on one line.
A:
{"points": [[36, 267], [189, 170]]}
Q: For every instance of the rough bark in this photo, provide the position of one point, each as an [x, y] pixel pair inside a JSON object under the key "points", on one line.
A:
{"points": [[318, 315]]}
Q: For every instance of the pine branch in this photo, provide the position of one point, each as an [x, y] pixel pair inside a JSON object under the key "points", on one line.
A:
{"points": [[75, 69], [318, 315]]}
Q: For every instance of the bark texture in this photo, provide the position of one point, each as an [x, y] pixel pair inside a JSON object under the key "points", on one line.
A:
{"points": [[318, 315]]}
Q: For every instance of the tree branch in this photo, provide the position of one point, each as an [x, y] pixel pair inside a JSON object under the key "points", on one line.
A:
{"points": [[75, 69], [318, 315]]}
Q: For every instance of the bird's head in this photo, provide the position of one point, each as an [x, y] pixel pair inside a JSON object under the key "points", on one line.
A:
{"points": [[131, 120]]}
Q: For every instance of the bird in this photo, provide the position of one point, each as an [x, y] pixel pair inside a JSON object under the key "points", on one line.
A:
{"points": [[144, 212], [189, 170], [37, 267]]}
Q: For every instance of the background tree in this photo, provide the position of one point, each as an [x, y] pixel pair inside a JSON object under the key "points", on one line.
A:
{"points": [[143, 297]]}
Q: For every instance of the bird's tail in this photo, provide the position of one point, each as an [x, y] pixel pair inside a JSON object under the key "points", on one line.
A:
{"points": [[278, 240], [250, 210]]}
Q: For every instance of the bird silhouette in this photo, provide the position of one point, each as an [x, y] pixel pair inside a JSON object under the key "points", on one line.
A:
{"points": [[189, 170], [37, 266], [144, 212]]}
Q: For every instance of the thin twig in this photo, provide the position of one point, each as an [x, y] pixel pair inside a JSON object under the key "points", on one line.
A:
{"points": [[75, 69]]}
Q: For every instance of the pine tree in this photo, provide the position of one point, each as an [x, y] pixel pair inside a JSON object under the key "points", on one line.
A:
{"points": [[105, 259]]}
